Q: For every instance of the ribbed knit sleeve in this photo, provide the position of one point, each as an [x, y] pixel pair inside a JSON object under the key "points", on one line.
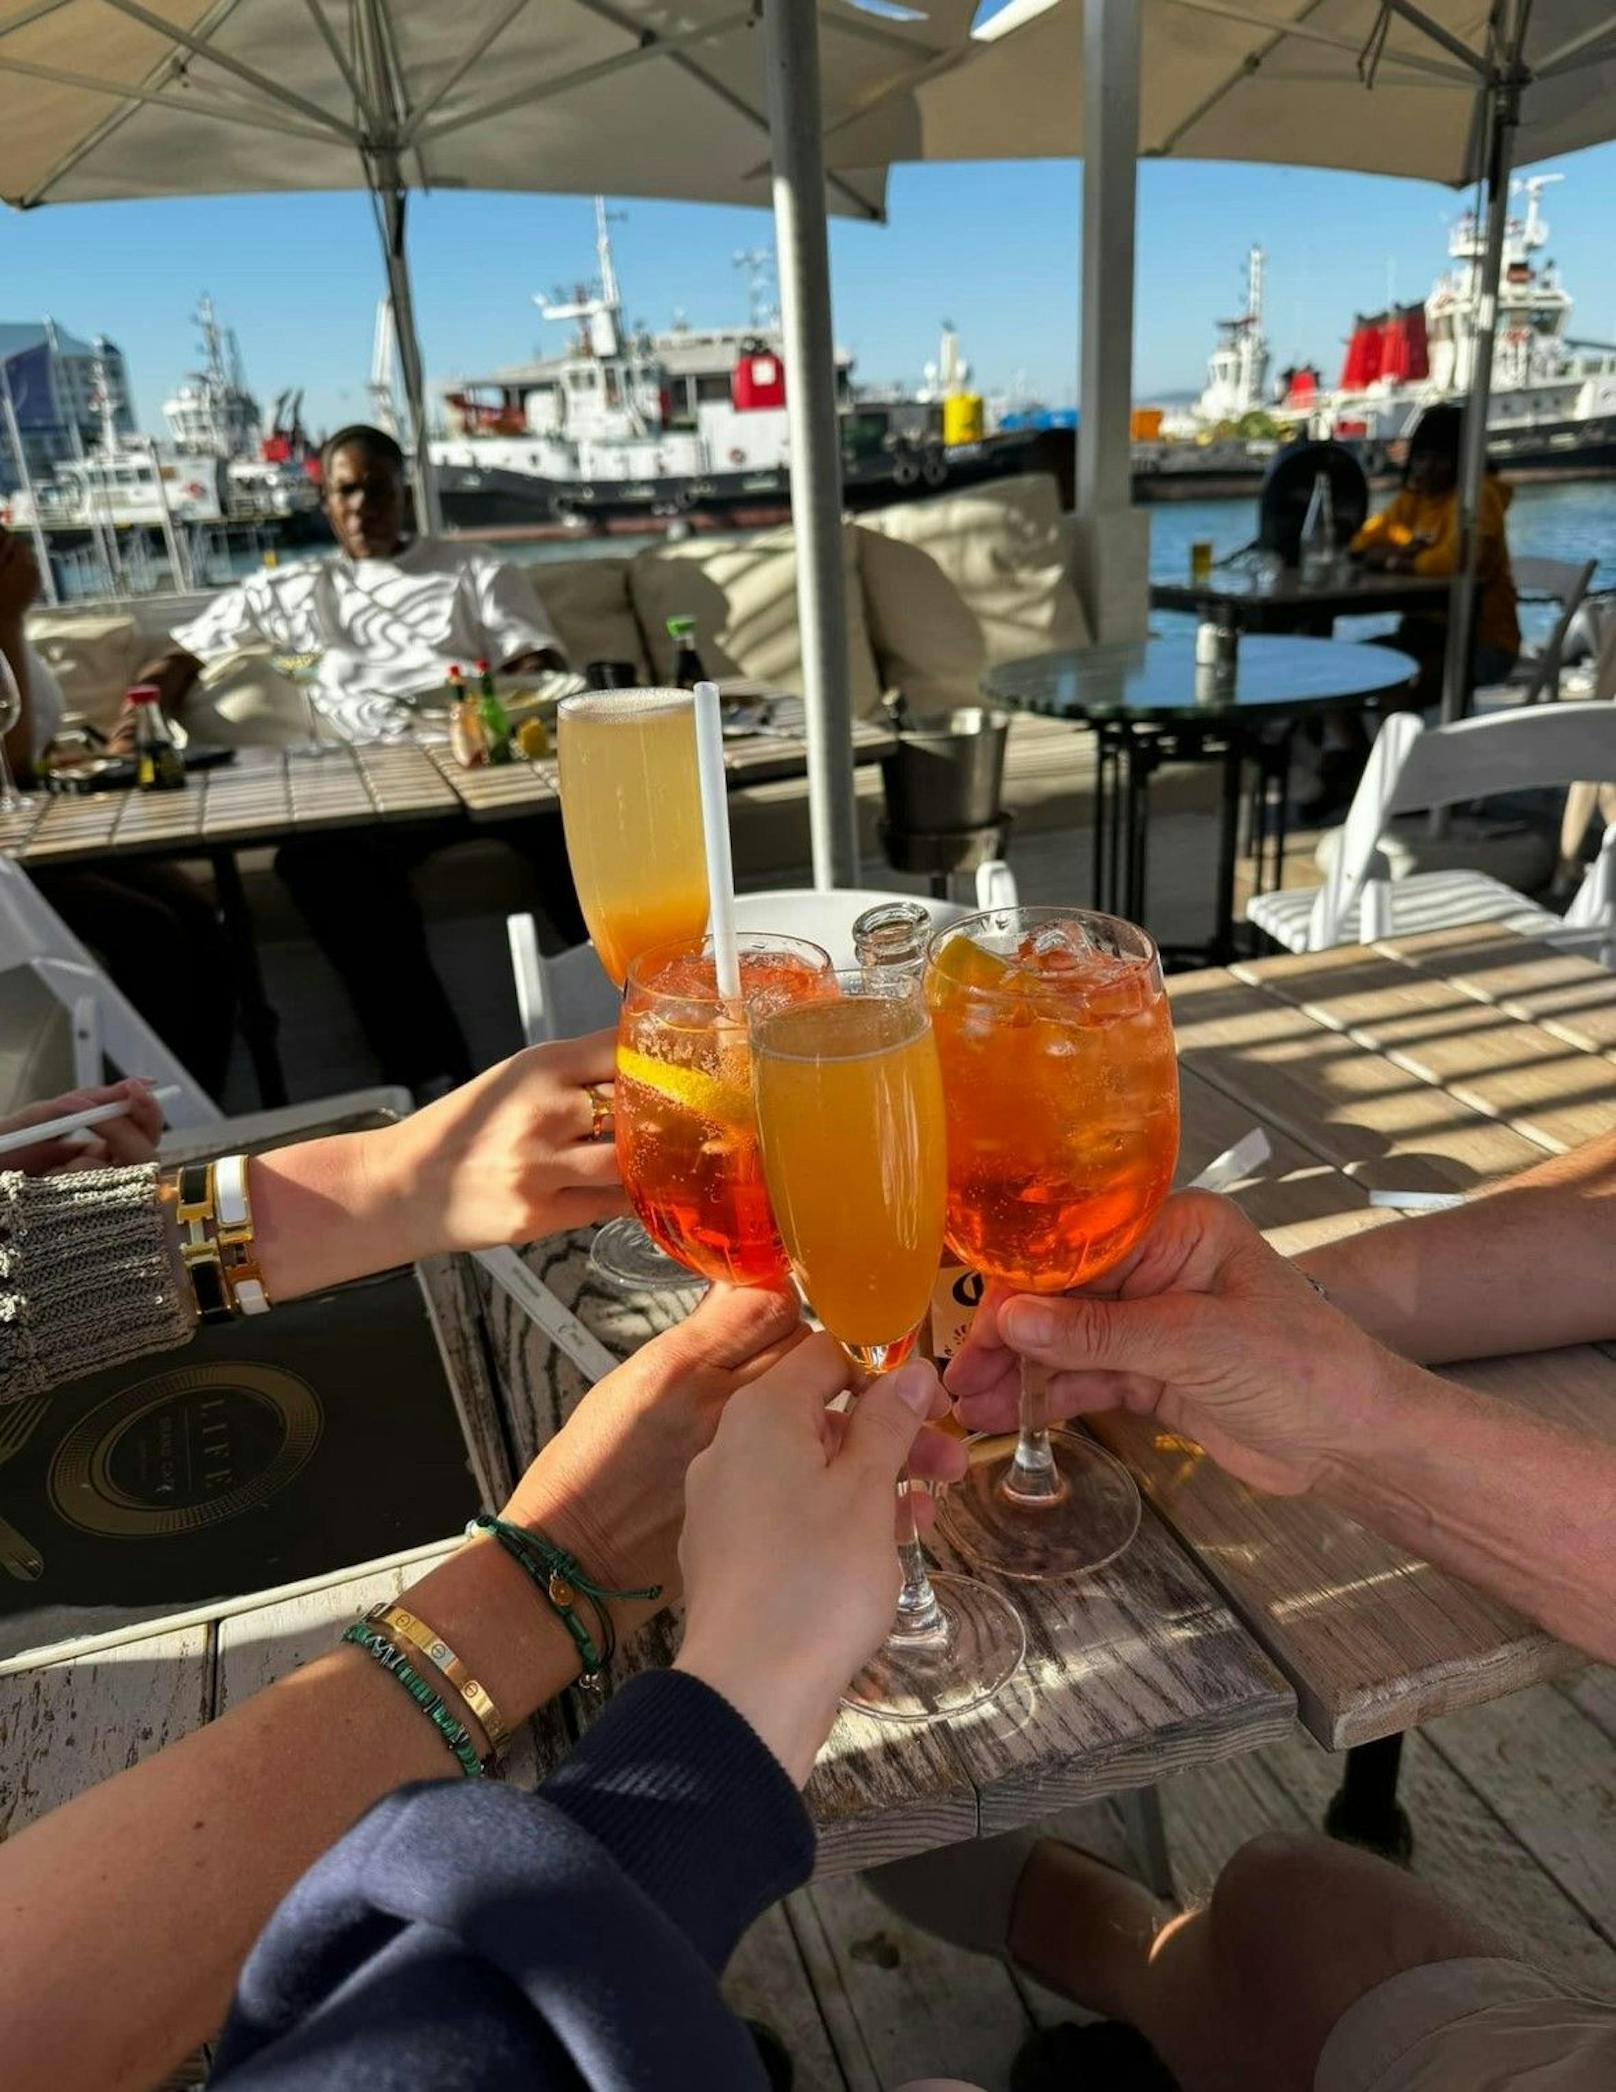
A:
{"points": [[89, 1276]]}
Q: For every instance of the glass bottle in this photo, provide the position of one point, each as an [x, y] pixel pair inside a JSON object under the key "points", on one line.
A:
{"points": [[687, 665], [159, 766], [1318, 535]]}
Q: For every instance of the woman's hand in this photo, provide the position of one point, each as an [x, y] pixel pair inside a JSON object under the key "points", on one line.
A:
{"points": [[791, 1571], [508, 1156], [114, 1144], [1204, 1327]]}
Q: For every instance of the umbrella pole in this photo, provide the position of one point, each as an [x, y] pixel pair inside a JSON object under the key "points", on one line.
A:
{"points": [[791, 45], [1503, 112], [389, 193], [42, 558]]}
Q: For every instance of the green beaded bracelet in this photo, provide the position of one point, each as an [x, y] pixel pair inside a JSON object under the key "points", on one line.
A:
{"points": [[559, 1580], [455, 1734]]}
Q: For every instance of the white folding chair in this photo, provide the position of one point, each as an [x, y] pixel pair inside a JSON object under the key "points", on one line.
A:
{"points": [[106, 1025], [1537, 676], [996, 885], [1413, 767], [560, 996]]}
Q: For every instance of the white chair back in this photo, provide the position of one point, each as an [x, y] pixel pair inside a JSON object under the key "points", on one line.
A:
{"points": [[106, 1024], [561, 996], [1574, 584], [996, 885], [1559, 578], [1412, 767]]}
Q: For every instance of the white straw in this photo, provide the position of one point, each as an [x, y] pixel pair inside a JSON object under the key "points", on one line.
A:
{"points": [[1418, 1201], [715, 831], [73, 1121], [1242, 1160]]}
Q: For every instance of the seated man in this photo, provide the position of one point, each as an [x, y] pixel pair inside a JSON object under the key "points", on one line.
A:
{"points": [[387, 614], [1315, 1968]]}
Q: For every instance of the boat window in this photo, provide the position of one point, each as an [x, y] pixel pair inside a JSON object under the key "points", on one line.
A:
{"points": [[614, 386], [712, 385], [582, 379]]}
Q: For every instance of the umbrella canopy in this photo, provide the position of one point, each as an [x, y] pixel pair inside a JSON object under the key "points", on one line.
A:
{"points": [[1352, 84], [115, 98]]}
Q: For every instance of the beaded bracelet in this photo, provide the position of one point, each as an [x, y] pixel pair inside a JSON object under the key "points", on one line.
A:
{"points": [[560, 1581], [455, 1734]]}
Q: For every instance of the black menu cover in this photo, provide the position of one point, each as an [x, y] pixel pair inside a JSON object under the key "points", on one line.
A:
{"points": [[269, 1450]]}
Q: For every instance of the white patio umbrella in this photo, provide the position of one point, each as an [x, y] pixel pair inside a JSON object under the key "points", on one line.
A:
{"points": [[1451, 91], [121, 98]]}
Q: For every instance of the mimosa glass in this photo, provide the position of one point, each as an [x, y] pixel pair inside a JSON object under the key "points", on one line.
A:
{"points": [[850, 1113], [1056, 1046], [303, 670], [631, 811], [687, 1135]]}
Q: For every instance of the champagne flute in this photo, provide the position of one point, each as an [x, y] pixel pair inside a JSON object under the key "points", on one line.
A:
{"points": [[1056, 1045], [850, 1115], [631, 813], [303, 670]]}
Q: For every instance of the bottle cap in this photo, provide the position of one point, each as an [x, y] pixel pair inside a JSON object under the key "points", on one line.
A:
{"points": [[481, 667], [144, 694], [681, 627]]}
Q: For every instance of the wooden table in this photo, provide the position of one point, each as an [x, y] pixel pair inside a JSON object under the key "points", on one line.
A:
{"points": [[266, 797], [1444, 1062]]}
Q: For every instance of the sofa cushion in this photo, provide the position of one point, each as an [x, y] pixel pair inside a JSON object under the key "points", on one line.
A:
{"points": [[94, 655], [927, 642], [1005, 550], [744, 600], [591, 611], [241, 701]]}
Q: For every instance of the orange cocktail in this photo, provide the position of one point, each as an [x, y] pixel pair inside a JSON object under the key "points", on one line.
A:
{"points": [[686, 1125], [1062, 1105]]}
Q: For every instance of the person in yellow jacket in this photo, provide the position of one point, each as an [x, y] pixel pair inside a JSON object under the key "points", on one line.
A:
{"points": [[1418, 533]]}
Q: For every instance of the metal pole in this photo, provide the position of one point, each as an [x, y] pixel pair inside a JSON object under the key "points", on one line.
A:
{"points": [[791, 58], [1502, 117], [388, 186], [178, 567], [47, 579]]}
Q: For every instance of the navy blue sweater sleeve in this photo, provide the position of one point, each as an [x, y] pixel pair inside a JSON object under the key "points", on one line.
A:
{"points": [[470, 1935]]}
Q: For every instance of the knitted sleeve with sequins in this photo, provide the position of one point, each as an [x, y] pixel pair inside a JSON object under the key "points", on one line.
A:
{"points": [[90, 1274]]}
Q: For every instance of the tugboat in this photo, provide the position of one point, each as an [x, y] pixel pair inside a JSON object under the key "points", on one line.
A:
{"points": [[634, 431]]}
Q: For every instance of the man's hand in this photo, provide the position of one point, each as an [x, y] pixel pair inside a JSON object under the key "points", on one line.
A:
{"points": [[533, 662], [173, 674], [1204, 1327]]}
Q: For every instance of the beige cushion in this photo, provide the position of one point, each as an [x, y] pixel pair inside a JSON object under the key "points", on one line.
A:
{"points": [[744, 601], [928, 644], [95, 656], [1005, 549], [590, 610], [240, 701]]}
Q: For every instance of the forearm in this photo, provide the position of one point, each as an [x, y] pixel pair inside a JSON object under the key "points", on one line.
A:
{"points": [[173, 674], [1510, 1502], [1523, 1268], [146, 1893], [326, 1211]]}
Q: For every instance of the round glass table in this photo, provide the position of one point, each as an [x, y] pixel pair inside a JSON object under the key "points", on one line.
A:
{"points": [[1289, 604], [1150, 701]]}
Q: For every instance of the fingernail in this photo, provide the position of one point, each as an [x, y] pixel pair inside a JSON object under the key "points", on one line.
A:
{"points": [[916, 1387], [1028, 1322]]}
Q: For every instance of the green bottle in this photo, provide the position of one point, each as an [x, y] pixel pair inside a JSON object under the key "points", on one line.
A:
{"points": [[496, 725], [687, 668]]}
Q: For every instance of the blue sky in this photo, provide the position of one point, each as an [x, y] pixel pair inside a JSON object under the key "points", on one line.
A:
{"points": [[993, 248]]}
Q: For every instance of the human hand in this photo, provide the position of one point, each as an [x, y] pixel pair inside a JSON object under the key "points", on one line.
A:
{"points": [[19, 577], [114, 1144], [791, 1571], [505, 1158], [1204, 1327]]}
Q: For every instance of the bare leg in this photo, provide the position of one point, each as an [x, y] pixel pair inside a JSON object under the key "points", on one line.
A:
{"points": [[1241, 1995]]}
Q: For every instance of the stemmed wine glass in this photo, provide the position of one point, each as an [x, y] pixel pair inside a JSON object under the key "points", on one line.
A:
{"points": [[1056, 1045], [11, 800], [850, 1114], [631, 812], [303, 670]]}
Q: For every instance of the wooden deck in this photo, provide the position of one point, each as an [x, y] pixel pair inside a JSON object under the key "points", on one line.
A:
{"points": [[1514, 1809]]}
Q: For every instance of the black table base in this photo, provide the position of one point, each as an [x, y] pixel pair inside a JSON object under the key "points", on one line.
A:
{"points": [[1364, 1810], [1128, 756]]}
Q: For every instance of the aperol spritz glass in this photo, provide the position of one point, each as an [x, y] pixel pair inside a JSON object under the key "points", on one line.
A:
{"points": [[687, 1135], [631, 812], [1056, 1045], [850, 1115]]}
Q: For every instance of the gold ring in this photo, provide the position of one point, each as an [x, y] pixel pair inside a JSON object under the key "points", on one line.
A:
{"points": [[600, 1109]]}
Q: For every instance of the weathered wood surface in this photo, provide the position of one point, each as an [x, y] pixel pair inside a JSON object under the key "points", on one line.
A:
{"points": [[1348, 1056]]}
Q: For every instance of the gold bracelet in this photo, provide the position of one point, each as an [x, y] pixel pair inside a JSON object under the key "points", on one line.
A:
{"points": [[397, 1620], [217, 1242]]}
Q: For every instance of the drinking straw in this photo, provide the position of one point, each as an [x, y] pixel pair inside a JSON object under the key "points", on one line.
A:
{"points": [[75, 1121], [1242, 1160], [715, 834]]}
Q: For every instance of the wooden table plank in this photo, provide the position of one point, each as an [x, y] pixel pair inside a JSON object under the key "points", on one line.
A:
{"points": [[1568, 995], [1383, 1125], [1543, 1087]]}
